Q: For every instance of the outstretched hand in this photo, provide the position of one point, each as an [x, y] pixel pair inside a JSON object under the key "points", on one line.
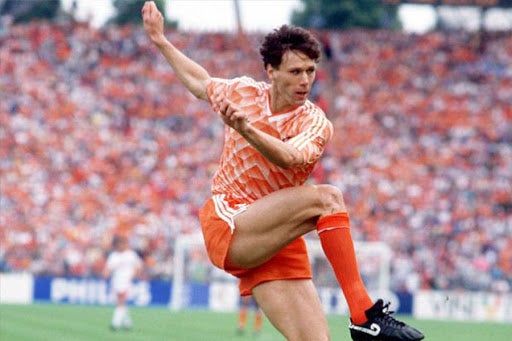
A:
{"points": [[153, 22]]}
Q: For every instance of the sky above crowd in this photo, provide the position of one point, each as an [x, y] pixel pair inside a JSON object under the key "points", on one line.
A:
{"points": [[263, 15]]}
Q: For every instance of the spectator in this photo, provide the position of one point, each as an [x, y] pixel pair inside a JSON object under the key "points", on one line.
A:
{"points": [[427, 136]]}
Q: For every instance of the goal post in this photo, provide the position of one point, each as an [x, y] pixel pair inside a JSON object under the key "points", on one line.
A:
{"points": [[182, 246], [197, 283], [374, 262]]}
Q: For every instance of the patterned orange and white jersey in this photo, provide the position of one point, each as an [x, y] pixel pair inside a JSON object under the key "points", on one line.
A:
{"points": [[244, 174]]}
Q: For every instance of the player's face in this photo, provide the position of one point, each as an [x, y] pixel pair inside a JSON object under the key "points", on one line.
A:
{"points": [[292, 81]]}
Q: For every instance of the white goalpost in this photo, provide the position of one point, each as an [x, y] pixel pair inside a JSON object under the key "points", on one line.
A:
{"points": [[197, 282], [182, 245]]}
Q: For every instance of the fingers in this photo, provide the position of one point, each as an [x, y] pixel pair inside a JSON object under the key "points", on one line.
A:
{"points": [[220, 103], [150, 10], [232, 115], [225, 107], [216, 105], [229, 112], [148, 7]]}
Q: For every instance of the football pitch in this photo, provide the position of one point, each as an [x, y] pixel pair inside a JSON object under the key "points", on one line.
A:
{"points": [[74, 322]]}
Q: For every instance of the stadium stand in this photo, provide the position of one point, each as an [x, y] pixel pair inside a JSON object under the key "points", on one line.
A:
{"points": [[96, 139]]}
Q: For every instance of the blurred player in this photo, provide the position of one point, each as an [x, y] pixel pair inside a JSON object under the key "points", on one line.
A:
{"points": [[123, 264], [248, 303], [261, 208]]}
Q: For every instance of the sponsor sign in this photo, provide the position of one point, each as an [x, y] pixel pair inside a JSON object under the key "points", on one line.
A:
{"points": [[463, 306], [97, 291]]}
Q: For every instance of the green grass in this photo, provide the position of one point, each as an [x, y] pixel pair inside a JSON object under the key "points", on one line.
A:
{"points": [[73, 322]]}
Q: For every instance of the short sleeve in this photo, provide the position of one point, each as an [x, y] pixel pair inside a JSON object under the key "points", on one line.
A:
{"points": [[315, 134]]}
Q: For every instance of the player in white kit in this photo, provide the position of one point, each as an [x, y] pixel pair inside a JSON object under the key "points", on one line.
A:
{"points": [[123, 264]]}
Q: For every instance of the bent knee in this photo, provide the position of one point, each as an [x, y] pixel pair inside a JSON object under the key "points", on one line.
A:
{"points": [[330, 199]]}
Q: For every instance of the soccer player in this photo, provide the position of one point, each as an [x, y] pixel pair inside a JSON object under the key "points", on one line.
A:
{"points": [[248, 303], [260, 209], [123, 264]]}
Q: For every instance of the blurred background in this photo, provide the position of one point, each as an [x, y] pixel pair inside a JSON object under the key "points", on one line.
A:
{"points": [[98, 138]]}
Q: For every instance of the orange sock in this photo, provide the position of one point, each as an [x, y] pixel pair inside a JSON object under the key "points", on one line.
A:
{"points": [[258, 320], [336, 239], [242, 317]]}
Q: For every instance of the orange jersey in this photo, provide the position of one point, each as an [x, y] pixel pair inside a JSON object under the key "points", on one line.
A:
{"points": [[244, 174]]}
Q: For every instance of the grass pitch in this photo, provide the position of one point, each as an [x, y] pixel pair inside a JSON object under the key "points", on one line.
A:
{"points": [[74, 322]]}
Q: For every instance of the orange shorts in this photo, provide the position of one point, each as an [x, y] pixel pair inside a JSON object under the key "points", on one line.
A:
{"points": [[292, 262]]}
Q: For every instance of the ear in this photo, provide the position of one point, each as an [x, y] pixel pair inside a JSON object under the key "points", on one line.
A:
{"points": [[270, 72]]}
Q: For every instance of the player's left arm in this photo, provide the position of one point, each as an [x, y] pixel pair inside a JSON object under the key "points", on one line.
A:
{"points": [[273, 149], [304, 148]]}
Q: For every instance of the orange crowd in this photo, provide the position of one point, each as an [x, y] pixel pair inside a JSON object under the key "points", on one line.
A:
{"points": [[98, 138]]}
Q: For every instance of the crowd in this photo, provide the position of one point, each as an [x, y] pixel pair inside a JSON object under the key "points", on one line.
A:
{"points": [[98, 139]]}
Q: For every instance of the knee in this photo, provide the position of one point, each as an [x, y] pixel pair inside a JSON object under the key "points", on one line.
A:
{"points": [[330, 199]]}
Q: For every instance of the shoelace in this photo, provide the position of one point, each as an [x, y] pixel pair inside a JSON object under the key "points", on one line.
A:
{"points": [[387, 318]]}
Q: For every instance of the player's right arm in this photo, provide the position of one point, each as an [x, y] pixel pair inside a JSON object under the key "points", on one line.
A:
{"points": [[192, 75]]}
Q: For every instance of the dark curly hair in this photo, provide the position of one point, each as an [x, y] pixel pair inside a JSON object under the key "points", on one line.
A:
{"points": [[288, 38]]}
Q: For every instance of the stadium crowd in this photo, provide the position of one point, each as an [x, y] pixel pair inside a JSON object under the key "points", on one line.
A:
{"points": [[97, 139]]}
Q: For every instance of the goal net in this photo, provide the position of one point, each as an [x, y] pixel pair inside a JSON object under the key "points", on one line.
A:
{"points": [[198, 284]]}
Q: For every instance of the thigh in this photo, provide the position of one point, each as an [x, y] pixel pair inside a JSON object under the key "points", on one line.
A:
{"points": [[293, 307], [271, 223]]}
